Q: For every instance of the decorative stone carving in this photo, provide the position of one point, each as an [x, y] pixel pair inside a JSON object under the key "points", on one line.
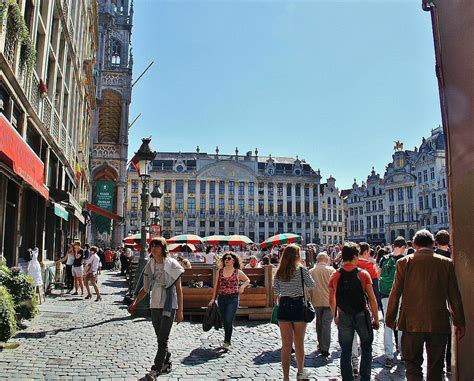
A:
{"points": [[114, 79], [106, 151], [227, 171]]}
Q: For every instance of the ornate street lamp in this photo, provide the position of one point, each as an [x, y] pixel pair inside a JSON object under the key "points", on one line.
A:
{"points": [[156, 196], [142, 160]]}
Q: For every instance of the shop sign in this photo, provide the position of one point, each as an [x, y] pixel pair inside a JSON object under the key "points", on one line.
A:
{"points": [[105, 199], [26, 163], [61, 212]]}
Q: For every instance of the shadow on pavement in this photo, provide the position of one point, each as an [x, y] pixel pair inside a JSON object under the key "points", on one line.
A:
{"points": [[271, 357], [202, 355], [41, 334]]}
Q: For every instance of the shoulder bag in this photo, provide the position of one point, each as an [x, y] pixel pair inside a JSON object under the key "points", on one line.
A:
{"points": [[308, 309]]}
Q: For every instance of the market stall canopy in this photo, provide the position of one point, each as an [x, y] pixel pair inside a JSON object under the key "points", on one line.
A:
{"points": [[214, 239], [182, 247], [186, 238], [103, 212], [280, 239]]}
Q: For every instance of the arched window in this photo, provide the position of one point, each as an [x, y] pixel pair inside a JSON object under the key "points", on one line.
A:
{"points": [[116, 52]]}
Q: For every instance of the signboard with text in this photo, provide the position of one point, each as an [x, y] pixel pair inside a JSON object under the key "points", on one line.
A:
{"points": [[105, 199]]}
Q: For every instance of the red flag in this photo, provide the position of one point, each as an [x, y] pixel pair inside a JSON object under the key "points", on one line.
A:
{"points": [[134, 162]]}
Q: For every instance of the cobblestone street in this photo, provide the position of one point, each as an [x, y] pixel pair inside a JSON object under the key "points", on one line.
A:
{"points": [[77, 339]]}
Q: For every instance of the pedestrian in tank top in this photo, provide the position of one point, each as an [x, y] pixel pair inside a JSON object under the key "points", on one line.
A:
{"points": [[227, 291]]}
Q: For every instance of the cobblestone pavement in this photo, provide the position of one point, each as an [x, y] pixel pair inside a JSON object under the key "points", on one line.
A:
{"points": [[77, 339]]}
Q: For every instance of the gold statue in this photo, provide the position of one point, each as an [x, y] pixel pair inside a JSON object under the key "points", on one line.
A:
{"points": [[398, 146]]}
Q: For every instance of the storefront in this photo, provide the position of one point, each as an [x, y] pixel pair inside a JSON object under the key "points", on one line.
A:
{"points": [[23, 195]]}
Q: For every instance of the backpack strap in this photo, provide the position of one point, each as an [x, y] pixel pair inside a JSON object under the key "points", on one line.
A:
{"points": [[302, 284]]}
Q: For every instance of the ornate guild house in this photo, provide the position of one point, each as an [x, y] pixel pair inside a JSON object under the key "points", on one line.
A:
{"points": [[246, 194]]}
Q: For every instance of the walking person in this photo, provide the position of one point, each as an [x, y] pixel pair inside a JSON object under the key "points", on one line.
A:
{"points": [[78, 271], [388, 267], [427, 283], [442, 239], [161, 278], [321, 273], [349, 289], [69, 260], [227, 291], [289, 295], [91, 273]]}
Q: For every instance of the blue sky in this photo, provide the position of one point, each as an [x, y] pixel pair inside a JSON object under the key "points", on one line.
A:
{"points": [[335, 82]]}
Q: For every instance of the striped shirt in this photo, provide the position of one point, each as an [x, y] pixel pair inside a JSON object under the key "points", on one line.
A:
{"points": [[293, 287]]}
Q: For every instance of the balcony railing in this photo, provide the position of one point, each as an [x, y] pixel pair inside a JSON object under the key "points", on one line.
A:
{"points": [[55, 129], [47, 110], [63, 138], [34, 93]]}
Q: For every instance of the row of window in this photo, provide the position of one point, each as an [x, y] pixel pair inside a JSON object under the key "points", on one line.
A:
{"points": [[423, 201], [400, 193], [330, 228], [234, 187], [335, 216], [424, 178], [401, 216]]}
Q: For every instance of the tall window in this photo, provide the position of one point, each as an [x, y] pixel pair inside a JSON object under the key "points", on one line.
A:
{"points": [[324, 214], [420, 202], [167, 186], [425, 175], [369, 222], [116, 52], [380, 204], [231, 205], [221, 204], [192, 205], [427, 205], [280, 190], [367, 206], [432, 173], [280, 207], [374, 205], [433, 200], [374, 221], [410, 193], [241, 188], [212, 187], [212, 205], [401, 213], [192, 186], [261, 211], [203, 204], [241, 206], [390, 195], [231, 187], [221, 187], [134, 203], [298, 190], [251, 189], [381, 223], [179, 204], [270, 191], [392, 213], [179, 186], [340, 216], [419, 178], [134, 186], [251, 205], [288, 190], [400, 194], [202, 186]]}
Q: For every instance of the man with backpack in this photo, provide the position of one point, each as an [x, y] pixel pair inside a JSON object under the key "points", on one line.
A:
{"points": [[349, 290], [388, 267]]}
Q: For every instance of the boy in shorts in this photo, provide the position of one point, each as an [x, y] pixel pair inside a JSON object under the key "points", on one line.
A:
{"points": [[92, 268]]}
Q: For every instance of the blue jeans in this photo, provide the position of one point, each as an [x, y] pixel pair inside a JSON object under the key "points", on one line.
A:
{"points": [[348, 325], [228, 305]]}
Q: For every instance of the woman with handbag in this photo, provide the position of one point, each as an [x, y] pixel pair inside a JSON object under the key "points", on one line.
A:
{"points": [[227, 291], [293, 311]]}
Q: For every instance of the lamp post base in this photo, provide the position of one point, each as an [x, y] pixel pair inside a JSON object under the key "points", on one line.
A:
{"points": [[143, 308]]}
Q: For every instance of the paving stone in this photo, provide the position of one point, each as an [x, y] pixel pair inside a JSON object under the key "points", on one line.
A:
{"points": [[76, 339]]}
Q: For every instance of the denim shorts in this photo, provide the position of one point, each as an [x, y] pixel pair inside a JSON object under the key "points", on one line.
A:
{"points": [[291, 309]]}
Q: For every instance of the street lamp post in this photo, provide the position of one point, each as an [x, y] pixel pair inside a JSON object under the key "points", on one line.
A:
{"points": [[143, 159]]}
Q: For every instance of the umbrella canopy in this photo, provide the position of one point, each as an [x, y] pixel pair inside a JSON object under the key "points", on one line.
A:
{"points": [[237, 240], [135, 238], [182, 247], [186, 238], [214, 239], [280, 239]]}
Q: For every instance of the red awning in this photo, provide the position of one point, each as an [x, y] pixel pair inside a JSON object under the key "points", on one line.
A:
{"points": [[25, 162], [104, 212]]}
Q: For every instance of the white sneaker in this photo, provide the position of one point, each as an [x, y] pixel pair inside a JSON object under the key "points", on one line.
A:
{"points": [[152, 375], [303, 375]]}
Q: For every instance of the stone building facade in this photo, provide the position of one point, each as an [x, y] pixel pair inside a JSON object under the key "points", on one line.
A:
{"points": [[331, 214], [412, 195], [258, 196], [47, 87], [110, 131]]}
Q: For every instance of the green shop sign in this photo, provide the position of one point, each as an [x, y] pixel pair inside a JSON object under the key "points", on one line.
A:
{"points": [[105, 199]]}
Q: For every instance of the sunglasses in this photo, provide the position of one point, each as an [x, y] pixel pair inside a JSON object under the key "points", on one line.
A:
{"points": [[228, 258], [158, 245]]}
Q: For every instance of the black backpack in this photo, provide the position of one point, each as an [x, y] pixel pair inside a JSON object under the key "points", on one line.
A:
{"points": [[350, 297]]}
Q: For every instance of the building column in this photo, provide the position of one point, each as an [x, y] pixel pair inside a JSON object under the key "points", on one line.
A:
{"points": [[118, 227], [293, 199], [265, 199], [285, 202], [173, 196]]}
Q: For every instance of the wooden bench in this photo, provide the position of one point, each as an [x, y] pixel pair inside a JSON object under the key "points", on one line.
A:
{"points": [[255, 303]]}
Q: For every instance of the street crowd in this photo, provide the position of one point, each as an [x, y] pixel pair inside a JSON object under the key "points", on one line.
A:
{"points": [[411, 283]]}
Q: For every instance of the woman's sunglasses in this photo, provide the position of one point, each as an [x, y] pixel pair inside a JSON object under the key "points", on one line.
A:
{"points": [[228, 258]]}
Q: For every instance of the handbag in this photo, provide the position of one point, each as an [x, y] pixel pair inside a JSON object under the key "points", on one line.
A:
{"points": [[308, 309], [274, 319]]}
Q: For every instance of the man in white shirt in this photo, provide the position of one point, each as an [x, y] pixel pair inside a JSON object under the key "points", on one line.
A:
{"points": [[253, 263], [210, 256], [321, 273], [92, 268]]}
